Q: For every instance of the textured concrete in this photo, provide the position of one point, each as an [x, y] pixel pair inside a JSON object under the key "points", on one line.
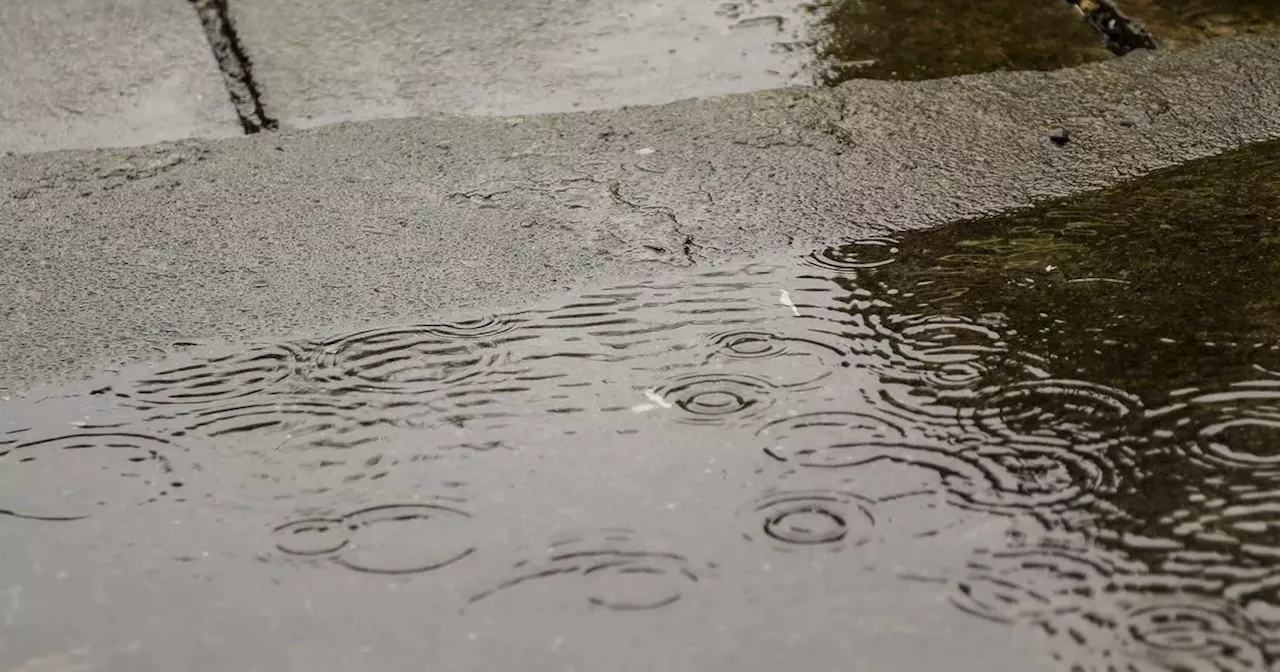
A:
{"points": [[335, 60], [344, 60], [109, 256], [87, 73]]}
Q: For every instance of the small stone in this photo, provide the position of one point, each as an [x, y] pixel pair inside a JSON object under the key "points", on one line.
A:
{"points": [[1059, 136]]}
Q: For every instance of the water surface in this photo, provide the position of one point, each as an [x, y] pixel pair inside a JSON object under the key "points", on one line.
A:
{"points": [[1186, 22], [928, 39], [1047, 440]]}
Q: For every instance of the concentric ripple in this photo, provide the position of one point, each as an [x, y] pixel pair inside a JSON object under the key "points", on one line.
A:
{"points": [[832, 438], [792, 361], [1164, 633], [311, 536], [296, 414], [218, 379], [1015, 480], [390, 539], [813, 518], [1197, 629], [856, 255], [718, 398], [938, 353], [1237, 429], [478, 328], [409, 360], [1025, 584], [1037, 480], [611, 571], [941, 339], [1058, 413], [74, 476]]}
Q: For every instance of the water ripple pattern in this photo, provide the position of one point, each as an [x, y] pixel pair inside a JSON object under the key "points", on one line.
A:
{"points": [[829, 519], [794, 361], [217, 379], [1236, 429], [856, 255], [1073, 411], [1158, 633], [714, 398], [611, 570], [1057, 413], [77, 475], [414, 360], [389, 539]]}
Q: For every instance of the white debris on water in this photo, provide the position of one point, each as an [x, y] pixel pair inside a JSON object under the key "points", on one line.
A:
{"points": [[646, 151], [657, 398], [1118, 282], [784, 297], [658, 402]]}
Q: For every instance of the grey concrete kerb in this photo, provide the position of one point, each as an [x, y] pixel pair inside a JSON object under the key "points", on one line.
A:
{"points": [[109, 256]]}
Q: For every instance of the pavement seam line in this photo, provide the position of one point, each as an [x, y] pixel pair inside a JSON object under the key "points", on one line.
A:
{"points": [[237, 72]]}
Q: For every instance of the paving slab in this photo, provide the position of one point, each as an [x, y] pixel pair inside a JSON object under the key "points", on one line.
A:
{"points": [[109, 256], [83, 73], [339, 60]]}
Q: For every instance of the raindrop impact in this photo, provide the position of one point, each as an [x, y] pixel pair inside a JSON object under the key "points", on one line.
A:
{"points": [[832, 519], [854, 256], [610, 570], [79, 475]]}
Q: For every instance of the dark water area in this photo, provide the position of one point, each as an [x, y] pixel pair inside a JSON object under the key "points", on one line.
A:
{"points": [[1187, 22], [928, 39], [1064, 421]]}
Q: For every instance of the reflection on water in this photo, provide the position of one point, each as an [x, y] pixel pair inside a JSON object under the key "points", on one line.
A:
{"points": [[927, 39], [1103, 374], [1179, 22]]}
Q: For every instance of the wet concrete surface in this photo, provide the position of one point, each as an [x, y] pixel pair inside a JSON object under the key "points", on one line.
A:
{"points": [[339, 60], [349, 60], [395, 220], [1043, 440], [81, 73]]}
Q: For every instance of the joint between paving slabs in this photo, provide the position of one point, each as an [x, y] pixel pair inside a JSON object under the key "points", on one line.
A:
{"points": [[237, 71]]}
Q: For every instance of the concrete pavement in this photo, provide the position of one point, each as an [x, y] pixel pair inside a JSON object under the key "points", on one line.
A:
{"points": [[343, 60], [115, 255], [84, 73]]}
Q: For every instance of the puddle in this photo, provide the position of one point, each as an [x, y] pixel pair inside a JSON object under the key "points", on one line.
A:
{"points": [[1100, 376], [1178, 23], [927, 39]]}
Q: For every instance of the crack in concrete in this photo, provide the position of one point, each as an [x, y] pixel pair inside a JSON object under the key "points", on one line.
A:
{"points": [[237, 73]]}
